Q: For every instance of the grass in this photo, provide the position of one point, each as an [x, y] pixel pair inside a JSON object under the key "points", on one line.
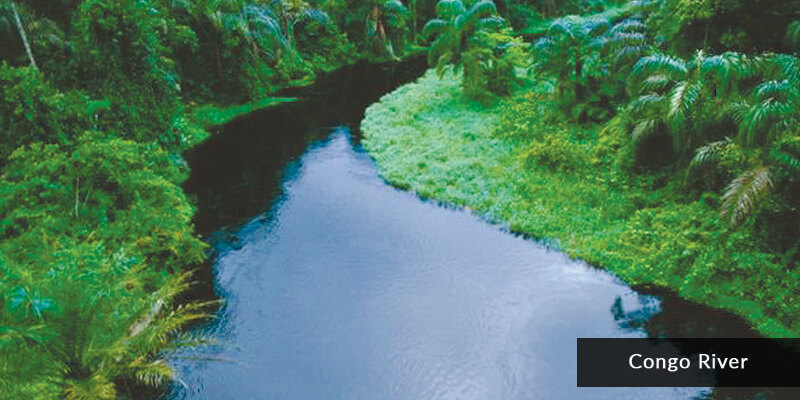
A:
{"points": [[209, 115], [566, 185]]}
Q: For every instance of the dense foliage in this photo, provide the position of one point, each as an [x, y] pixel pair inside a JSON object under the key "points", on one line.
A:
{"points": [[658, 139], [520, 163], [679, 164]]}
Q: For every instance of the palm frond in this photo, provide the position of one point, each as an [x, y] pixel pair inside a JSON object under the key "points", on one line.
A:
{"points": [[645, 128], [656, 83], [395, 7], [153, 373], [434, 27], [562, 27], [629, 25], [96, 387], [660, 63], [449, 8], [793, 34], [313, 15], [627, 37], [759, 122], [482, 8], [630, 52], [720, 66], [776, 91], [742, 194], [711, 153], [786, 159], [544, 44], [683, 98], [490, 23], [644, 103], [265, 26], [595, 26]]}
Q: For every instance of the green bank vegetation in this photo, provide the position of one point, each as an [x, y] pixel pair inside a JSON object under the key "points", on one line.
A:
{"points": [[99, 98], [661, 143]]}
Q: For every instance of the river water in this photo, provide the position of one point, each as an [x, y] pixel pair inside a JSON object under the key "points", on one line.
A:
{"points": [[338, 286]]}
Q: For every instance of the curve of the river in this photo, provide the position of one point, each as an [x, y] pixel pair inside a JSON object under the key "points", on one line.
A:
{"points": [[338, 286]]}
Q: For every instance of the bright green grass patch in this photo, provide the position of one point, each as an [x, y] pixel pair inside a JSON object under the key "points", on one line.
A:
{"points": [[210, 115], [565, 184]]}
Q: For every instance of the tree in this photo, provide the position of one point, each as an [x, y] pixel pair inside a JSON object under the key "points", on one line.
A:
{"points": [[590, 61], [95, 241], [768, 120], [684, 98], [454, 33], [23, 35], [383, 21]]}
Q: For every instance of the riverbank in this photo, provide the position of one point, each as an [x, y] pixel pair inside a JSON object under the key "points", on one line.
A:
{"points": [[564, 184]]}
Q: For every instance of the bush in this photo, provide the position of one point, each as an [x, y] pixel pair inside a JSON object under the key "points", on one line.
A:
{"points": [[32, 110]]}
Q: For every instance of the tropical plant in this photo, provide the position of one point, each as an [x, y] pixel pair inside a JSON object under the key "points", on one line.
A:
{"points": [[793, 34], [454, 34], [564, 51], [589, 59], [767, 120], [95, 241], [386, 20], [686, 99]]}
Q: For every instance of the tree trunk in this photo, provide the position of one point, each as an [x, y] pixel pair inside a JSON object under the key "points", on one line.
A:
{"points": [[24, 37], [219, 62]]}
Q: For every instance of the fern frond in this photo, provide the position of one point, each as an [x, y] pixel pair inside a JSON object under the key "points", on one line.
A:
{"points": [[742, 194]]}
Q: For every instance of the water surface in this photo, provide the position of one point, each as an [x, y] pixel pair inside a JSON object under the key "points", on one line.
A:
{"points": [[338, 286]]}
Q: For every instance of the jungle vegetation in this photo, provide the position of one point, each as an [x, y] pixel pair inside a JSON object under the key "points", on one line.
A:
{"points": [[657, 139], [99, 98]]}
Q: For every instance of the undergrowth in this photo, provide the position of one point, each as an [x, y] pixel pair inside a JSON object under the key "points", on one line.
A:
{"points": [[518, 163]]}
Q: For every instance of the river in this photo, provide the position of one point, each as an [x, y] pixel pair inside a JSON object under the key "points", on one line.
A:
{"points": [[339, 286]]}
